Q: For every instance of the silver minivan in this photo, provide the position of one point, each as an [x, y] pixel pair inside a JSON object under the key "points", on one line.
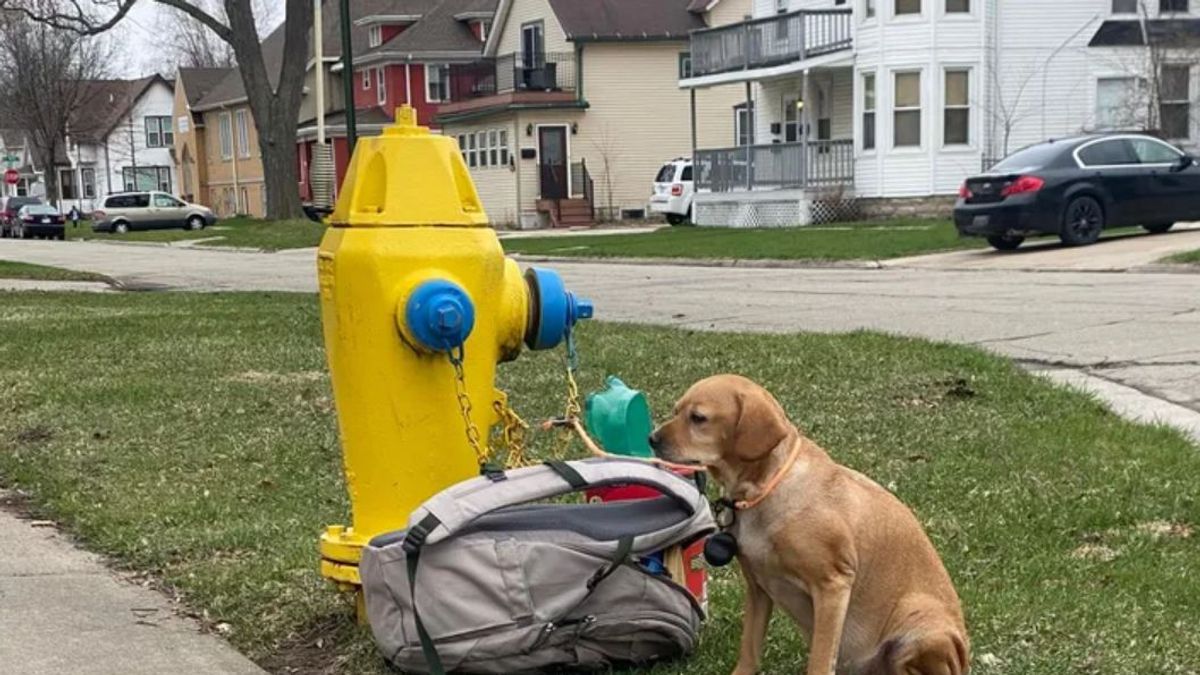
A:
{"points": [[127, 211]]}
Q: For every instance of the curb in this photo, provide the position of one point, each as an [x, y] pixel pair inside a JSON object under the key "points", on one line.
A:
{"points": [[1128, 402], [704, 262]]}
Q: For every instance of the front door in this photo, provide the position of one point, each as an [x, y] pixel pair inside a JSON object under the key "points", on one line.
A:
{"points": [[552, 162]]}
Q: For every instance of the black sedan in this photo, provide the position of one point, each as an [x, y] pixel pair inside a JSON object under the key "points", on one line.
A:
{"points": [[1077, 187]]}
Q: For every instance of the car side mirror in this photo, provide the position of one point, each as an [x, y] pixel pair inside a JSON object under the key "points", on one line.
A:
{"points": [[1184, 162]]}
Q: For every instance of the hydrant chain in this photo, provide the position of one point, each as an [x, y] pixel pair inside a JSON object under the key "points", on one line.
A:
{"points": [[464, 405]]}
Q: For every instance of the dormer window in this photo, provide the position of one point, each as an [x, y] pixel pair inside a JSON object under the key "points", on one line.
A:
{"points": [[375, 36]]}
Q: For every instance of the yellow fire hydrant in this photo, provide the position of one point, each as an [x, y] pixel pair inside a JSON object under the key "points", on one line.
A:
{"points": [[419, 305]]}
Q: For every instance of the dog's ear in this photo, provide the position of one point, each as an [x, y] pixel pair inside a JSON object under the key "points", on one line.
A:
{"points": [[761, 425]]}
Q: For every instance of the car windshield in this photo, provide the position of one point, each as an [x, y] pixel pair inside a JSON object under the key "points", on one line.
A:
{"points": [[41, 210], [665, 174], [1028, 159]]}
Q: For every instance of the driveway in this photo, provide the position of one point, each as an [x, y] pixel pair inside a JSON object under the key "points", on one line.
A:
{"points": [[1113, 253], [1139, 329]]}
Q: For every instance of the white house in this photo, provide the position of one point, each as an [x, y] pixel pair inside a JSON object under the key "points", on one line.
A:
{"points": [[892, 103], [121, 139]]}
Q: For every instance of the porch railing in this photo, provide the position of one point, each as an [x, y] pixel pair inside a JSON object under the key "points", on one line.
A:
{"points": [[550, 71], [770, 41], [776, 166]]}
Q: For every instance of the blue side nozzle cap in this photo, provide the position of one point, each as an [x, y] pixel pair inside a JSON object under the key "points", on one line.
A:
{"points": [[553, 310], [440, 315]]}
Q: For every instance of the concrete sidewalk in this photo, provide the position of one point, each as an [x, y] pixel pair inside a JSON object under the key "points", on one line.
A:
{"points": [[63, 611]]}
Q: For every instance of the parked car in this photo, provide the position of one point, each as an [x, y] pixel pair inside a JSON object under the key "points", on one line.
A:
{"points": [[127, 211], [8, 212], [673, 191], [1077, 187], [39, 221]]}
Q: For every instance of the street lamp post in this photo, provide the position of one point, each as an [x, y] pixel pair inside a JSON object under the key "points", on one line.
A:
{"points": [[348, 78]]}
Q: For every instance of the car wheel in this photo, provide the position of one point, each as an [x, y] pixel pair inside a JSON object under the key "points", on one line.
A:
{"points": [[195, 223], [1158, 228], [674, 219], [120, 228], [1082, 222], [1005, 243]]}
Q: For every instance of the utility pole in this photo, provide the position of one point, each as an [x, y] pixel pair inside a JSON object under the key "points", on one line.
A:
{"points": [[348, 78]]}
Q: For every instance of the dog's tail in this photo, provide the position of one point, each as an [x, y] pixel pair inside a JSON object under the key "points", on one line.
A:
{"points": [[940, 654]]}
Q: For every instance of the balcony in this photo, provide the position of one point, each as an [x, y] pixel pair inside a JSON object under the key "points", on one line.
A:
{"points": [[511, 79], [770, 41], [779, 166]]}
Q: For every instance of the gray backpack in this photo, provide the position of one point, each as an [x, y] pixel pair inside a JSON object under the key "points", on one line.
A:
{"points": [[504, 585]]}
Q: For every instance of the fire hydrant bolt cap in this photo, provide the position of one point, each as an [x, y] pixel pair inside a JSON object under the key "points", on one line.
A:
{"points": [[440, 315]]}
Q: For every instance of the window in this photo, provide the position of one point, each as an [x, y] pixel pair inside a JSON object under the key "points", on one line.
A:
{"points": [[533, 45], [493, 148], [166, 202], [1172, 5], [906, 110], [1153, 152], [504, 147], [868, 116], [243, 134], [146, 178], [1117, 102], [437, 82], [226, 133], [366, 79], [743, 124], [1124, 6], [183, 124], [158, 132], [781, 6], [791, 120], [869, 9], [375, 36], [66, 184], [685, 65], [472, 157], [462, 146], [380, 86], [483, 149], [908, 7], [958, 6], [1174, 105], [824, 120], [89, 183], [1115, 152], [957, 115]]}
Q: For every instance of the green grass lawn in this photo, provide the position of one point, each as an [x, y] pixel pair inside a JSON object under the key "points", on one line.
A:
{"points": [[198, 444], [18, 270], [269, 235], [842, 241], [1191, 257]]}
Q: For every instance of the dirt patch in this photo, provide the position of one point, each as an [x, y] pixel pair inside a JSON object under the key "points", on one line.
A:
{"points": [[34, 434], [313, 650], [1098, 552], [1162, 529], [260, 377]]}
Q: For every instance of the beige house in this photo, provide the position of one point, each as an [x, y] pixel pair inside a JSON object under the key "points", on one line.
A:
{"points": [[577, 104], [191, 152]]}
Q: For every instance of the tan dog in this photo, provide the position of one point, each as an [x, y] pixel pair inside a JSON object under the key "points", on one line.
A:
{"points": [[841, 555]]}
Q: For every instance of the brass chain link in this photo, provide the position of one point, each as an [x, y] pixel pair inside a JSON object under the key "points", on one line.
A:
{"points": [[572, 409], [464, 406], [513, 432]]}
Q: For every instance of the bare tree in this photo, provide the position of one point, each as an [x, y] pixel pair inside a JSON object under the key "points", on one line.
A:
{"points": [[194, 44], [607, 144], [46, 75], [274, 97]]}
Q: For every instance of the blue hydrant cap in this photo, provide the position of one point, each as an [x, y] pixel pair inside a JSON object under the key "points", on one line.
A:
{"points": [[553, 310], [440, 315]]}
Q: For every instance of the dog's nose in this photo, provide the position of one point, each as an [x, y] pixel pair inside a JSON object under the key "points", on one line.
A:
{"points": [[655, 440]]}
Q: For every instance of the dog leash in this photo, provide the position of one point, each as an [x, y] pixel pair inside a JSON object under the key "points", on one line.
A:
{"points": [[593, 447]]}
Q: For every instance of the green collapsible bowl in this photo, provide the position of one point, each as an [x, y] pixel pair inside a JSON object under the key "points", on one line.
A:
{"points": [[619, 419]]}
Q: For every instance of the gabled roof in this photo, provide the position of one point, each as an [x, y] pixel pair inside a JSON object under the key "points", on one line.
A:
{"points": [[199, 81], [440, 31], [626, 20], [1163, 32], [104, 103], [230, 89]]}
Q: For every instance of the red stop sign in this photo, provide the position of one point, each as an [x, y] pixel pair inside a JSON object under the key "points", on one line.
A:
{"points": [[12, 177]]}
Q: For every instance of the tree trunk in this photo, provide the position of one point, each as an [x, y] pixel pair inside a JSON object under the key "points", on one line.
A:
{"points": [[49, 173], [277, 141]]}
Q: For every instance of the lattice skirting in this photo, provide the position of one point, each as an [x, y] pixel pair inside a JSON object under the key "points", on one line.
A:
{"points": [[767, 212]]}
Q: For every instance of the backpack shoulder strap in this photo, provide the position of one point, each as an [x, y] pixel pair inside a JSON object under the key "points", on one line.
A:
{"points": [[459, 505]]}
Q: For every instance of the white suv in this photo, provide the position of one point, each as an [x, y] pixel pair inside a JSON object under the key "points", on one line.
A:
{"points": [[673, 191]]}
